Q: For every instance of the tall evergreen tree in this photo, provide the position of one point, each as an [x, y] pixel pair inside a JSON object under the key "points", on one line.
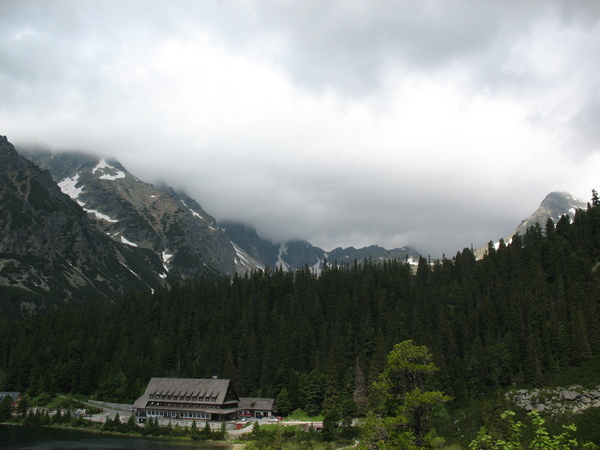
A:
{"points": [[404, 399]]}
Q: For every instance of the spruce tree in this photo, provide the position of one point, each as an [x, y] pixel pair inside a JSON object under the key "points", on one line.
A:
{"points": [[6, 408]]}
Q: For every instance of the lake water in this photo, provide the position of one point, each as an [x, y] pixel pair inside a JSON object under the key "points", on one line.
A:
{"points": [[39, 438]]}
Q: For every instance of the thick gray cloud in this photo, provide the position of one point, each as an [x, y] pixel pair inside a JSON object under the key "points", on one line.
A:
{"points": [[425, 123]]}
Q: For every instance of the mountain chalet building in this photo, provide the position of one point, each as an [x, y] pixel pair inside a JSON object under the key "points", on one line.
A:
{"points": [[211, 399], [15, 396]]}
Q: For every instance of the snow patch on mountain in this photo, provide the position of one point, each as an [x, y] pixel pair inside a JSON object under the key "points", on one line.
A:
{"points": [[69, 186], [244, 261], [128, 268], [194, 213], [166, 256], [106, 168], [280, 262], [317, 267], [125, 241], [98, 214]]}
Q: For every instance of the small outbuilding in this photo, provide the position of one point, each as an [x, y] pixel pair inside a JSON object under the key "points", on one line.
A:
{"points": [[257, 407]]}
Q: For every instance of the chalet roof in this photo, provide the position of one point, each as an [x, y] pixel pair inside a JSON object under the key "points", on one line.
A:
{"points": [[13, 395], [189, 387], [251, 403]]}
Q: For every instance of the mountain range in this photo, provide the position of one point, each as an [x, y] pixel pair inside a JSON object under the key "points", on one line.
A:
{"points": [[77, 226]]}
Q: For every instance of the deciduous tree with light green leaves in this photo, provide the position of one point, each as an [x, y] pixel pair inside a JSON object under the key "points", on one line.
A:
{"points": [[542, 439], [403, 400]]}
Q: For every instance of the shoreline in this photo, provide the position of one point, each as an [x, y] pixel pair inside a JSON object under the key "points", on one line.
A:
{"points": [[223, 444]]}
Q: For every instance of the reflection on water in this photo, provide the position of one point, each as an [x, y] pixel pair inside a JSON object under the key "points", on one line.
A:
{"points": [[39, 438]]}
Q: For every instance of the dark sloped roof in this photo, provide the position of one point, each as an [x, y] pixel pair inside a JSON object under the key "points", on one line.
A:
{"points": [[263, 404], [192, 387], [13, 395]]}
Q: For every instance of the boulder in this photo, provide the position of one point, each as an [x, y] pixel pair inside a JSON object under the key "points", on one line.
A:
{"points": [[594, 394], [570, 395]]}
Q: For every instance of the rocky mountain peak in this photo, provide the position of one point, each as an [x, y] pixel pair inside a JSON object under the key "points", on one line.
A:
{"points": [[51, 252], [171, 225], [554, 206]]}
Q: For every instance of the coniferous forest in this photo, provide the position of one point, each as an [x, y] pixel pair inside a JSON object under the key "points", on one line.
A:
{"points": [[523, 314]]}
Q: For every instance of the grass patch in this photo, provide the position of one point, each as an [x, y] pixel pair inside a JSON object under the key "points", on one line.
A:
{"points": [[65, 403], [303, 416]]}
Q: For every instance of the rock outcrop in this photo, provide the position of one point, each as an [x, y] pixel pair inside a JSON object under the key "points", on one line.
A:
{"points": [[573, 399]]}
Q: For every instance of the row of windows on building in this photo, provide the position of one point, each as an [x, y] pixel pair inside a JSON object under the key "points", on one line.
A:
{"points": [[180, 414], [183, 398], [185, 405]]}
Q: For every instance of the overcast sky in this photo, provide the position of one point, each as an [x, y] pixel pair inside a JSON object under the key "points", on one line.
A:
{"points": [[430, 123]]}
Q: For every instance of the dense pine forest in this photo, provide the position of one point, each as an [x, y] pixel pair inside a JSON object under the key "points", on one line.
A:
{"points": [[520, 316]]}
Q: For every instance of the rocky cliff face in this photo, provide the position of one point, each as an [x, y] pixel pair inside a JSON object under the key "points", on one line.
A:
{"points": [[171, 225], [49, 250]]}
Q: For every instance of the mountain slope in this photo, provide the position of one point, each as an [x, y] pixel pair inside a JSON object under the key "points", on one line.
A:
{"points": [[554, 206], [50, 252], [170, 224]]}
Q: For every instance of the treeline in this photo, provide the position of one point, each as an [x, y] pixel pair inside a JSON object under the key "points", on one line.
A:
{"points": [[525, 312]]}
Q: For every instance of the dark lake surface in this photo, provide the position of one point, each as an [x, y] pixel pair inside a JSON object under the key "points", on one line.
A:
{"points": [[39, 438]]}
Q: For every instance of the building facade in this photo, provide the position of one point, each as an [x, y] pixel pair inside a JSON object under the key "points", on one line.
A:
{"points": [[211, 399]]}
